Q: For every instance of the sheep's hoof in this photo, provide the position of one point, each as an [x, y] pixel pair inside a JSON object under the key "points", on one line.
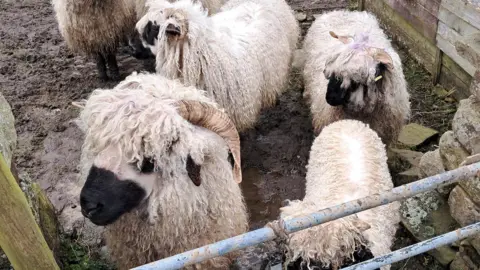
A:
{"points": [[103, 77], [115, 76]]}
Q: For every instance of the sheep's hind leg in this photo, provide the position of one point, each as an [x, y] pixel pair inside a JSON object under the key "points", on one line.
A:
{"points": [[112, 65], [101, 66]]}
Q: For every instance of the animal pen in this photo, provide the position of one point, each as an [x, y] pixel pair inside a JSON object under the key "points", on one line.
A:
{"points": [[282, 228], [442, 35]]}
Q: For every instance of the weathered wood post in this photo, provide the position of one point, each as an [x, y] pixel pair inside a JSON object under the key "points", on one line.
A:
{"points": [[20, 237]]}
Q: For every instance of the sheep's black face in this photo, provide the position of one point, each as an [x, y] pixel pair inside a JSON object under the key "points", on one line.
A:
{"points": [[139, 51], [150, 32], [104, 197], [338, 95], [355, 93]]}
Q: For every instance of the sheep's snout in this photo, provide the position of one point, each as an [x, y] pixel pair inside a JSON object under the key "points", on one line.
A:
{"points": [[104, 197], [336, 95], [173, 30]]}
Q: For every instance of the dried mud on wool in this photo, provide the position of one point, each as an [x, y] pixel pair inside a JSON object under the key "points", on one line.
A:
{"points": [[40, 78]]}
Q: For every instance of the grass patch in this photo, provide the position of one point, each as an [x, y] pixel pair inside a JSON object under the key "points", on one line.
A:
{"points": [[77, 257]]}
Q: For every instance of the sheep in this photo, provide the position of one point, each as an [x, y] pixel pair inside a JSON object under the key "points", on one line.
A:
{"points": [[352, 72], [158, 171], [141, 50], [241, 56], [95, 28], [347, 161]]}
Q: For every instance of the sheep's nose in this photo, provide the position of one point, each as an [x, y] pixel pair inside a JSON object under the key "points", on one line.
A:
{"points": [[90, 208], [172, 30]]}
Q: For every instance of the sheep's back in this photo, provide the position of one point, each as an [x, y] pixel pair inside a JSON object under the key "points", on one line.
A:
{"points": [[348, 161]]}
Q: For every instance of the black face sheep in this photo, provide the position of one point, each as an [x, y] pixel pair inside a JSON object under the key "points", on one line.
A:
{"points": [[348, 161], [142, 50], [158, 171], [241, 56], [352, 72]]}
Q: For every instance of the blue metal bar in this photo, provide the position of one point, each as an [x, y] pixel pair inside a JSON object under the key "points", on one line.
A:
{"points": [[418, 248], [266, 234]]}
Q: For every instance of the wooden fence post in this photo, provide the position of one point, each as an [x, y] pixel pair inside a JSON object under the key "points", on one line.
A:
{"points": [[20, 237]]}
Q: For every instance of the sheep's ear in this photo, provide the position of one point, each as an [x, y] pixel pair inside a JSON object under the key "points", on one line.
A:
{"points": [[344, 39], [381, 56], [150, 32], [193, 171]]}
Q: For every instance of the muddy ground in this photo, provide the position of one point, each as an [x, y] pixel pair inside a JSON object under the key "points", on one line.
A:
{"points": [[40, 78]]}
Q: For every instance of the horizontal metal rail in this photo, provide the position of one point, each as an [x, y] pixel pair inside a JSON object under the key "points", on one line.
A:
{"points": [[289, 226], [418, 248]]}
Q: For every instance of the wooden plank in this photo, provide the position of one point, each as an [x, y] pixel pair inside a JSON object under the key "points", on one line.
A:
{"points": [[454, 77], [438, 67], [20, 237], [456, 23], [469, 49], [422, 19], [444, 38], [469, 11], [420, 48], [449, 64]]}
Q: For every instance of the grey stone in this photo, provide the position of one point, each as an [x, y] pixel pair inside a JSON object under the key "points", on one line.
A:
{"points": [[475, 241], [466, 259], [472, 187], [459, 264], [427, 215], [8, 135], [475, 85], [451, 151], [300, 16], [412, 157], [466, 124], [414, 135], [431, 164], [463, 210], [408, 176]]}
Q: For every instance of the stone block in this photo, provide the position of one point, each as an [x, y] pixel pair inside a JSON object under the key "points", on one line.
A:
{"points": [[8, 135], [431, 164], [427, 215], [451, 151], [475, 85], [462, 208], [414, 135], [472, 187], [466, 124]]}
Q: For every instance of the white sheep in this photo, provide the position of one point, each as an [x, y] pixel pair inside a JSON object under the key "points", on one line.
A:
{"points": [[352, 72], [347, 161], [241, 56], [140, 45], [212, 6], [157, 170]]}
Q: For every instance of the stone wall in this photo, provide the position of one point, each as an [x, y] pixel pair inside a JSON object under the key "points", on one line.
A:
{"points": [[463, 199], [41, 206]]}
